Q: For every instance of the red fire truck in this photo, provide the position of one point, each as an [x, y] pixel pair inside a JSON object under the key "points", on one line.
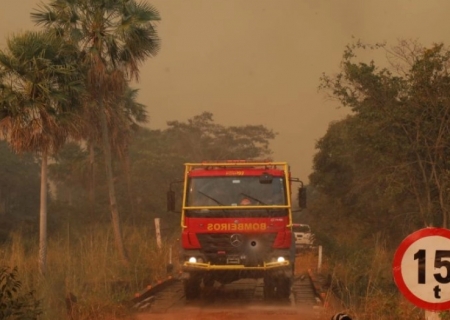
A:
{"points": [[236, 222]]}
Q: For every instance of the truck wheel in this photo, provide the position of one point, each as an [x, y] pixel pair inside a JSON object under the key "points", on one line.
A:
{"points": [[208, 281], [192, 288], [283, 288], [269, 288]]}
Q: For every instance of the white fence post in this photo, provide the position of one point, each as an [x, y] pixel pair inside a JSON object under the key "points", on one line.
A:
{"points": [[430, 315], [319, 263], [158, 233]]}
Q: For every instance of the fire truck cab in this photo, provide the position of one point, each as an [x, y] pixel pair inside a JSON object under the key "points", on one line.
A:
{"points": [[236, 222]]}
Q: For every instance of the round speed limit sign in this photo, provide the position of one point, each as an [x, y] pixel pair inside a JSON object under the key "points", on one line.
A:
{"points": [[422, 268]]}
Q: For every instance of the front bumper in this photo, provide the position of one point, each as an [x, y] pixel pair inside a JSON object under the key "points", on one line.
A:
{"points": [[190, 266]]}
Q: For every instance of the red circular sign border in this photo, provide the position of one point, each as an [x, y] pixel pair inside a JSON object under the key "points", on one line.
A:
{"points": [[398, 277]]}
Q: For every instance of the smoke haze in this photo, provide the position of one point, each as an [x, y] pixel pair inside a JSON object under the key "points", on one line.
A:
{"points": [[259, 61]]}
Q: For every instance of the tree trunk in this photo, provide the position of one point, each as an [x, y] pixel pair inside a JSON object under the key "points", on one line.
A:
{"points": [[127, 169], [92, 179], [112, 193], [43, 216]]}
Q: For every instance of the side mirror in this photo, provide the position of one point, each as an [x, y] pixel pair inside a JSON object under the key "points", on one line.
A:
{"points": [[170, 200], [171, 196], [302, 197]]}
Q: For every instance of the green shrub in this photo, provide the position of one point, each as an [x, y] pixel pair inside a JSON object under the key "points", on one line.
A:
{"points": [[13, 304]]}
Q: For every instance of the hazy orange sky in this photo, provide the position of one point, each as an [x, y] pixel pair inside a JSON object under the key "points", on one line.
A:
{"points": [[259, 61]]}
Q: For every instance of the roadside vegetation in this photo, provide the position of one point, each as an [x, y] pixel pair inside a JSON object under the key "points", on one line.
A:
{"points": [[382, 172], [86, 278]]}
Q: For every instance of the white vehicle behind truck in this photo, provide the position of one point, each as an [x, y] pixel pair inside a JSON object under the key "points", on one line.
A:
{"points": [[304, 238]]}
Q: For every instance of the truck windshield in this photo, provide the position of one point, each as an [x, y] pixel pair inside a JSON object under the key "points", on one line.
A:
{"points": [[235, 191]]}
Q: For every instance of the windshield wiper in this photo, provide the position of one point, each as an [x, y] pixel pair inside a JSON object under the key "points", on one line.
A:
{"points": [[253, 198], [208, 196]]}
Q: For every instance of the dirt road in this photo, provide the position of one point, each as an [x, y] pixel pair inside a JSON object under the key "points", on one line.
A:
{"points": [[227, 309], [242, 313]]}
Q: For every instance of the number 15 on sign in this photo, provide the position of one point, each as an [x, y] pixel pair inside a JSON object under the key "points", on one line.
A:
{"points": [[422, 268]]}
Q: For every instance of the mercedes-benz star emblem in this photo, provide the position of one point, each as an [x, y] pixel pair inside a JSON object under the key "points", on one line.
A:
{"points": [[236, 240]]}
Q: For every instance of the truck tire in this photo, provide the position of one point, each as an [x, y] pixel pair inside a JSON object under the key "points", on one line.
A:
{"points": [[283, 288], [208, 281], [192, 288], [269, 288]]}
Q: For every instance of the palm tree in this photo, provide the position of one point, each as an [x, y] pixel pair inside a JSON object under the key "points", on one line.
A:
{"points": [[39, 86], [69, 171], [130, 114], [115, 36]]}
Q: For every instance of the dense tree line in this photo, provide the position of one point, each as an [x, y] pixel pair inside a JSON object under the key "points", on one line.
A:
{"points": [[388, 160], [384, 170], [70, 82], [156, 158], [19, 191]]}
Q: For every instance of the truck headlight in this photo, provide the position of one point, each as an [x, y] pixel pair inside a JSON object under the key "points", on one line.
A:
{"points": [[280, 259], [192, 259]]}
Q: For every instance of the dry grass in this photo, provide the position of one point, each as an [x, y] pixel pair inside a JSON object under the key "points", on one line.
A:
{"points": [[85, 266], [362, 285], [308, 260], [357, 289]]}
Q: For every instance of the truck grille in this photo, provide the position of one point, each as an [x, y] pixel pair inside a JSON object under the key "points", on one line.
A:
{"points": [[248, 249]]}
